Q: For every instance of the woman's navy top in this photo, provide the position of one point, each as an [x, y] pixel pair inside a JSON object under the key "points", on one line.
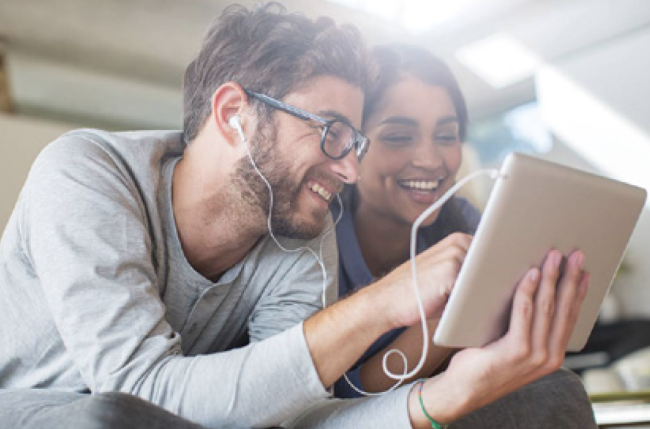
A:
{"points": [[354, 274]]}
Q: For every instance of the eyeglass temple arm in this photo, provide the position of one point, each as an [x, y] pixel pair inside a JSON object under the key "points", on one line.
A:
{"points": [[302, 114]]}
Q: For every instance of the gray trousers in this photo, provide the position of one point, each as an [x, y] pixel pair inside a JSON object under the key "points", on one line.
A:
{"points": [[51, 409], [554, 402]]}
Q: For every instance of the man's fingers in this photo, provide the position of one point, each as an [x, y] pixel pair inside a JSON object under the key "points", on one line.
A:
{"points": [[437, 270], [454, 247], [521, 317], [458, 240], [545, 303], [571, 292]]}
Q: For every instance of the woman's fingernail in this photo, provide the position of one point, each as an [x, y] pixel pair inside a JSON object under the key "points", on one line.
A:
{"points": [[533, 274]]}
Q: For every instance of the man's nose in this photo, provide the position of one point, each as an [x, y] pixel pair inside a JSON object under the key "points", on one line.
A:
{"points": [[347, 168]]}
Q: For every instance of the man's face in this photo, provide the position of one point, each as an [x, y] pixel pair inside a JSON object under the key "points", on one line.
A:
{"points": [[287, 152]]}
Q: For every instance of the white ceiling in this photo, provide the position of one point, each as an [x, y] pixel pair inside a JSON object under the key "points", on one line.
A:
{"points": [[119, 63]]}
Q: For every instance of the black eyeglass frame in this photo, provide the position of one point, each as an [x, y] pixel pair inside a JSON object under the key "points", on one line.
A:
{"points": [[360, 141]]}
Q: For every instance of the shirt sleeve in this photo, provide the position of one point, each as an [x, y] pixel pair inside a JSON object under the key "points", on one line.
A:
{"points": [[388, 411], [86, 234], [299, 281]]}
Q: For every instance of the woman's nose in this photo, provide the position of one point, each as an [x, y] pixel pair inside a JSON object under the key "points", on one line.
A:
{"points": [[428, 156]]}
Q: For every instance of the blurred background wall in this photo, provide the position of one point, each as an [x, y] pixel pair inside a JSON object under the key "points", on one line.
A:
{"points": [[562, 78]]}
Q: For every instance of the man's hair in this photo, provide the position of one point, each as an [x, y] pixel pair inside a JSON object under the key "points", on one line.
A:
{"points": [[269, 51], [394, 61]]}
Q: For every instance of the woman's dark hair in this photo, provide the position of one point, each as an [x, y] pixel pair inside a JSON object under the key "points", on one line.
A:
{"points": [[395, 61], [270, 51]]}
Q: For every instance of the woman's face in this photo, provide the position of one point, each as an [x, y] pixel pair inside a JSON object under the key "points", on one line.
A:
{"points": [[415, 151]]}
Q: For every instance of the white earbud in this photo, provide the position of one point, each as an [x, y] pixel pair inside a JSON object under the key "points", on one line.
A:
{"points": [[235, 123]]}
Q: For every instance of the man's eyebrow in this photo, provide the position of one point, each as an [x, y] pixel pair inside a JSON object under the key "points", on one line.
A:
{"points": [[333, 114]]}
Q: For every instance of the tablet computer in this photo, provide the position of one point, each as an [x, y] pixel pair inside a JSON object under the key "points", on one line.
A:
{"points": [[534, 206]]}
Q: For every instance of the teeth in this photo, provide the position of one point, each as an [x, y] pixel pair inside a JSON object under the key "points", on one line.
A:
{"points": [[326, 195], [428, 185]]}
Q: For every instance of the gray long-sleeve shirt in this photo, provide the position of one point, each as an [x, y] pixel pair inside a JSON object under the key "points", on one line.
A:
{"points": [[96, 294]]}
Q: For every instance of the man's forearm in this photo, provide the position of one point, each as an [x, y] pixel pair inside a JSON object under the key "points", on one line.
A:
{"points": [[341, 333], [373, 377]]}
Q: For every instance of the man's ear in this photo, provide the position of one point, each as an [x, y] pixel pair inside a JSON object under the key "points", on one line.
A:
{"points": [[228, 101]]}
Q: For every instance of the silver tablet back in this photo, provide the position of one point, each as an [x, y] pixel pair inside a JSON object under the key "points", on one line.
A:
{"points": [[535, 206]]}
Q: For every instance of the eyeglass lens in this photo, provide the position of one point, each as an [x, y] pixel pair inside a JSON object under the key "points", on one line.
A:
{"points": [[340, 139]]}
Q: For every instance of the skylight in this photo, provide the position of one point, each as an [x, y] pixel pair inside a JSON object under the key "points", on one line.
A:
{"points": [[415, 16], [499, 59]]}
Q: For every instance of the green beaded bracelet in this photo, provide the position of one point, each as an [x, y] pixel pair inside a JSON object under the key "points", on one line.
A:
{"points": [[434, 424]]}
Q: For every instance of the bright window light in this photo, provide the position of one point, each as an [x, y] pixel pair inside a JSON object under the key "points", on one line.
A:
{"points": [[500, 60], [387, 9], [419, 16], [415, 16], [527, 125]]}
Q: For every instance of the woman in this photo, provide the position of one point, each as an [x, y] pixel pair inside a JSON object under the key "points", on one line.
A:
{"points": [[416, 118]]}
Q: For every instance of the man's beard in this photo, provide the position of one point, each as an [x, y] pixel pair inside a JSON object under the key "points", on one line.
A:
{"points": [[255, 193]]}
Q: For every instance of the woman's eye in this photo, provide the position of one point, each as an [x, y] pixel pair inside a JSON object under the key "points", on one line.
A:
{"points": [[397, 140], [446, 139]]}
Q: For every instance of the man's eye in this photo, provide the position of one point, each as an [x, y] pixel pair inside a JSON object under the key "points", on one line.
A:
{"points": [[333, 134], [337, 131]]}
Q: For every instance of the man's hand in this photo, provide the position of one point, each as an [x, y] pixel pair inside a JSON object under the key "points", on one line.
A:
{"points": [[341, 333], [545, 310], [437, 269]]}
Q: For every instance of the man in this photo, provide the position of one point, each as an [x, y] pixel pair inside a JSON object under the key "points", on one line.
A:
{"points": [[143, 262]]}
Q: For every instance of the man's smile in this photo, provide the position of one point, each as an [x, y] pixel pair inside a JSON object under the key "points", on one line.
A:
{"points": [[324, 193]]}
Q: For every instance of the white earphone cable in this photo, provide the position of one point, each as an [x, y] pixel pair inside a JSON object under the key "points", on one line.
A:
{"points": [[494, 174], [400, 378], [318, 256]]}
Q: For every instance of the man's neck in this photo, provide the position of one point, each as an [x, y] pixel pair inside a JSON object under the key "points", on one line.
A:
{"points": [[215, 229], [213, 248]]}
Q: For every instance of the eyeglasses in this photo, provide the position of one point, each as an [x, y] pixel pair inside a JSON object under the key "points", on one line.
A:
{"points": [[338, 137]]}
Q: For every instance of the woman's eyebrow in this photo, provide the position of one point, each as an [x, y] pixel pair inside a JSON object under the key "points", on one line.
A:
{"points": [[447, 120], [399, 120], [405, 120]]}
